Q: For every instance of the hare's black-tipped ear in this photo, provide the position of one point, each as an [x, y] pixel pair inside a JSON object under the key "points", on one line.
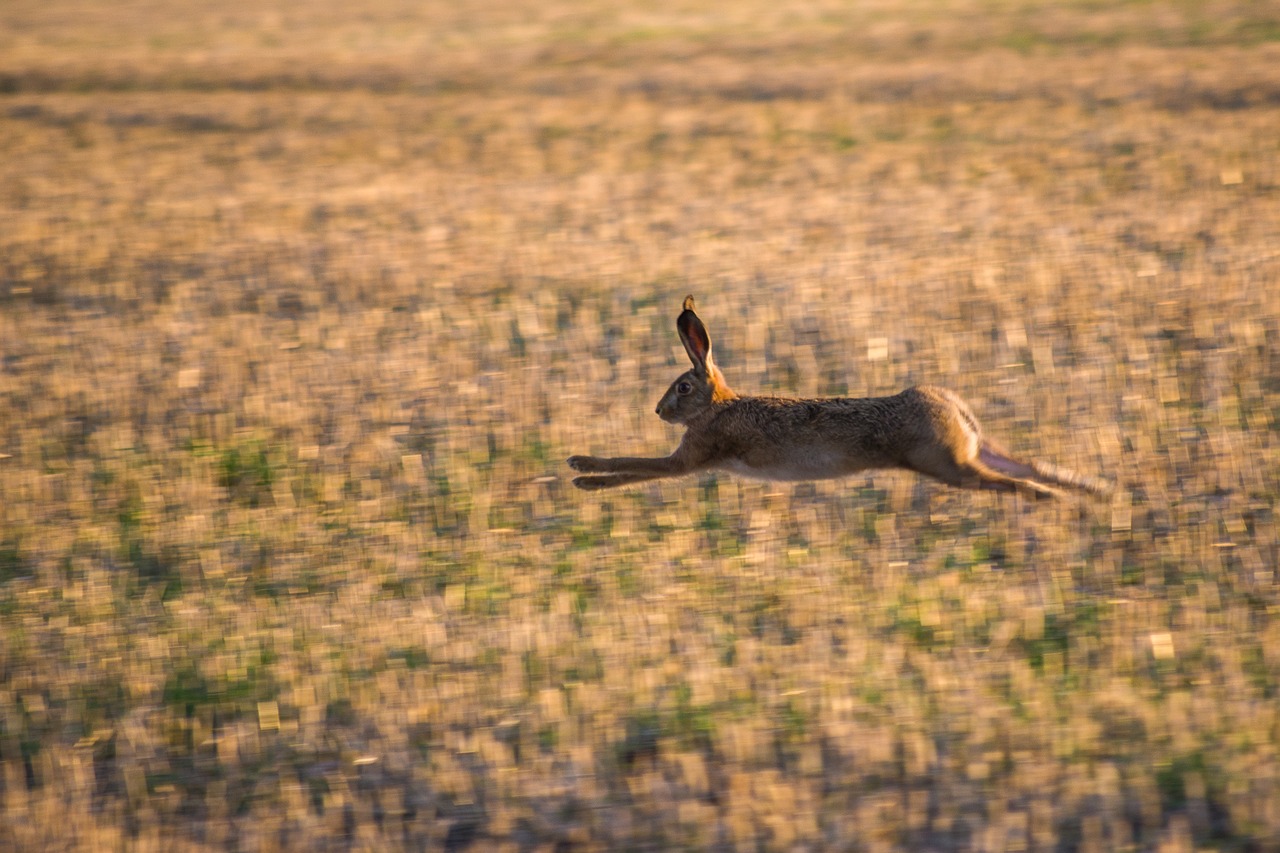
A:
{"points": [[697, 343]]}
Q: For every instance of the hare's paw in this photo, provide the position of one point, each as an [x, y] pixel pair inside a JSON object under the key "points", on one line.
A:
{"points": [[585, 464], [591, 484]]}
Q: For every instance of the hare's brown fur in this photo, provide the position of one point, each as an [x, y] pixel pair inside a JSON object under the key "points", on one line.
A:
{"points": [[925, 429]]}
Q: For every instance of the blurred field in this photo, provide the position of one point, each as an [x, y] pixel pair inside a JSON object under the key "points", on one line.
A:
{"points": [[302, 308]]}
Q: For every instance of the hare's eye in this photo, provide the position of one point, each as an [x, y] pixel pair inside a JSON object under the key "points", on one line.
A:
{"points": [[684, 388]]}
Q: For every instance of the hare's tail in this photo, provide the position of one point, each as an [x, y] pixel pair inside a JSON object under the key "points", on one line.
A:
{"points": [[1041, 475]]}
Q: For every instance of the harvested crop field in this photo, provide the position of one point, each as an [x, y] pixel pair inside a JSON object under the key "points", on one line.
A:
{"points": [[302, 307]]}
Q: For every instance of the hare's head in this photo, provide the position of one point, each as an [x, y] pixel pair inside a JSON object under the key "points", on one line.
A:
{"points": [[697, 389]]}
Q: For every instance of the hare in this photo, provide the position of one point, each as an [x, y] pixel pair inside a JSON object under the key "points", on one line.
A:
{"points": [[924, 429]]}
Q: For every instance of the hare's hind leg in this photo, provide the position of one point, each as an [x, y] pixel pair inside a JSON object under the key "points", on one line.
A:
{"points": [[992, 458], [1041, 475], [944, 464], [996, 459], [947, 443]]}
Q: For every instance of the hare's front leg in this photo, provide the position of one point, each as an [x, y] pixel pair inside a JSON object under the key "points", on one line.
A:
{"points": [[589, 464], [659, 467], [594, 482], [622, 470]]}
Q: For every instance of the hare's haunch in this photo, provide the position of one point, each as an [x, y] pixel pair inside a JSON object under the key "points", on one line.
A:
{"points": [[924, 429]]}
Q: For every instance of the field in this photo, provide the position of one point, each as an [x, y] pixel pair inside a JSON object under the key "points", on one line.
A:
{"points": [[303, 306]]}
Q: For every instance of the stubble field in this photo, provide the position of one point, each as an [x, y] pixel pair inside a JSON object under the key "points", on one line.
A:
{"points": [[302, 308]]}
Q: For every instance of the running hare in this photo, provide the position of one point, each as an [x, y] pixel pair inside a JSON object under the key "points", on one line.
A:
{"points": [[924, 429]]}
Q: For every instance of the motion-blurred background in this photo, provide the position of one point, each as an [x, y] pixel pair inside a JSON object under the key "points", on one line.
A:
{"points": [[303, 305]]}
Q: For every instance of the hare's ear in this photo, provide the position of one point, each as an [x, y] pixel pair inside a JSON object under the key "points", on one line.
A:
{"points": [[694, 336]]}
